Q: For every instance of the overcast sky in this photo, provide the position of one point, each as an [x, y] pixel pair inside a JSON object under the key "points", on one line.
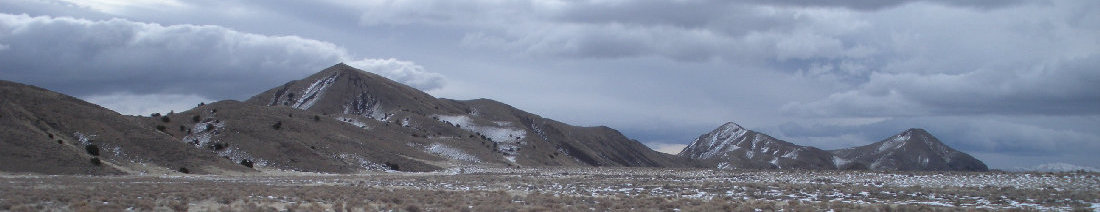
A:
{"points": [[1014, 83]]}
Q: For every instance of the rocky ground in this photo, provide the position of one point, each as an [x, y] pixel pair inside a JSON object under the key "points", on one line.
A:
{"points": [[559, 189]]}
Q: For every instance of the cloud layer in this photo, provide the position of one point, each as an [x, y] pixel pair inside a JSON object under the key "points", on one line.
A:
{"points": [[88, 58]]}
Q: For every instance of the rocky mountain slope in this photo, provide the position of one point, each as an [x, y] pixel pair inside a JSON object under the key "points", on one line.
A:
{"points": [[487, 130], [281, 138], [51, 133], [345, 120], [731, 146], [914, 149]]}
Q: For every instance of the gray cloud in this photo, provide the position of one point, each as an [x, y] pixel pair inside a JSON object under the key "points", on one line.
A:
{"points": [[883, 4], [1001, 62], [83, 57]]}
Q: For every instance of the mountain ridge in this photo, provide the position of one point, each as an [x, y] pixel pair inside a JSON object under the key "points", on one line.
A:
{"points": [[522, 138], [345, 120], [732, 146]]}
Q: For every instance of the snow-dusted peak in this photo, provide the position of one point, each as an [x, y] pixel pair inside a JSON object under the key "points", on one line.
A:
{"points": [[730, 126], [912, 149]]}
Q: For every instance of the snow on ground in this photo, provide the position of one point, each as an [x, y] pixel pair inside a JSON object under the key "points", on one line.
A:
{"points": [[361, 162], [820, 190], [508, 138], [451, 152], [203, 136], [353, 121]]}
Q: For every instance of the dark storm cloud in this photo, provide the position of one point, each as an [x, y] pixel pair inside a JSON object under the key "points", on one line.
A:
{"points": [[81, 57]]}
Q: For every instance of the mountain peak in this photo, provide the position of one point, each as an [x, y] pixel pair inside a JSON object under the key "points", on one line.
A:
{"points": [[345, 89], [730, 126], [912, 149], [732, 146]]}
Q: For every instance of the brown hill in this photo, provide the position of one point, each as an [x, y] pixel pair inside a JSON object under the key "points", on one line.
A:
{"points": [[488, 130], [52, 133], [291, 139]]}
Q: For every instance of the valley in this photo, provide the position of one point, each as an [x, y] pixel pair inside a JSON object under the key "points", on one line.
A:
{"points": [[558, 189]]}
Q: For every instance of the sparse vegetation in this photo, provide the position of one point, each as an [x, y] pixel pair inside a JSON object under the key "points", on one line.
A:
{"points": [[95, 161], [559, 189]]}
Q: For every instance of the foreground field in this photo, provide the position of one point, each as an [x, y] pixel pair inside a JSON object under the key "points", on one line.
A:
{"points": [[574, 189]]}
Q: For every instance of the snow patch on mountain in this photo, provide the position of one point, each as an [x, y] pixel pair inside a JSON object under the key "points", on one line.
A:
{"points": [[367, 106], [451, 152], [720, 141], [840, 162], [508, 139], [310, 95], [362, 162], [353, 121], [202, 133]]}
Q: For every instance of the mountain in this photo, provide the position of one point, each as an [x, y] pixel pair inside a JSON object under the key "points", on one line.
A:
{"points": [[282, 138], [51, 133], [1056, 167], [914, 149], [490, 131], [339, 120], [731, 146]]}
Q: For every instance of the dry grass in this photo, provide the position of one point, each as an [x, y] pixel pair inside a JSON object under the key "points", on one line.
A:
{"points": [[615, 189]]}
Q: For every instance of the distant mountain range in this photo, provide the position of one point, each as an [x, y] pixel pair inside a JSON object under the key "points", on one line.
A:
{"points": [[345, 120], [1055, 167], [732, 147]]}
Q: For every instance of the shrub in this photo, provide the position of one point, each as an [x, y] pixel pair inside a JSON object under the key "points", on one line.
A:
{"points": [[155, 115], [60, 142], [202, 104], [161, 128], [184, 170], [95, 161], [195, 118], [393, 166], [92, 149], [277, 125], [216, 146], [247, 163], [316, 118], [165, 119]]}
